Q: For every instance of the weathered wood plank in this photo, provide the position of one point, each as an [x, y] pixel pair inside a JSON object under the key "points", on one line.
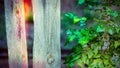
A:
{"points": [[16, 35], [46, 49]]}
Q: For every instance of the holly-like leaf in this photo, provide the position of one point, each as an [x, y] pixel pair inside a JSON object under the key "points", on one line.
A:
{"points": [[80, 35], [90, 54], [96, 63], [83, 40], [106, 61], [71, 37], [80, 63], [83, 20], [82, 24], [84, 58], [106, 57], [69, 15], [68, 58], [81, 2], [100, 29], [87, 61], [77, 49], [116, 44], [97, 56], [114, 14], [90, 6], [85, 31], [110, 31], [94, 0], [71, 64], [76, 20], [117, 29], [76, 32], [109, 11], [69, 32], [92, 36], [75, 58], [95, 50]]}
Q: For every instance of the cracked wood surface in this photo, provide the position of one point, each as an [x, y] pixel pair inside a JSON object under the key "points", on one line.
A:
{"points": [[16, 34], [46, 48]]}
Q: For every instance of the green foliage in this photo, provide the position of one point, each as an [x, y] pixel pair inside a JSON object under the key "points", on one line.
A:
{"points": [[97, 45], [98, 2], [100, 28], [116, 44], [75, 19], [81, 2], [112, 13]]}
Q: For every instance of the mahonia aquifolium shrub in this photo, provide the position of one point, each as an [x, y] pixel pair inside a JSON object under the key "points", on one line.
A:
{"points": [[97, 45]]}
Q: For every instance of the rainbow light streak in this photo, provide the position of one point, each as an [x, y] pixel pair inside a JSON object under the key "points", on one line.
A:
{"points": [[28, 8]]}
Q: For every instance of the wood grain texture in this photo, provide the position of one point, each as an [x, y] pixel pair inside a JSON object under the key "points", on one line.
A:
{"points": [[16, 35], [46, 49]]}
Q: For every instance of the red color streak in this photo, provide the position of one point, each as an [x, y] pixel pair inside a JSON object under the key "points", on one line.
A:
{"points": [[28, 8]]}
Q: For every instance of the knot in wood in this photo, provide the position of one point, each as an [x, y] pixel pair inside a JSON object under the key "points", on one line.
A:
{"points": [[50, 59]]}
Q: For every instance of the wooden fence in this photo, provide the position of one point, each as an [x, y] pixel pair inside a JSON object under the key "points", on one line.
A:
{"points": [[46, 48]]}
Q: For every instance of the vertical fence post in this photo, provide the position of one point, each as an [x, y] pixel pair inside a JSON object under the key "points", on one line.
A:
{"points": [[46, 49], [16, 35]]}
